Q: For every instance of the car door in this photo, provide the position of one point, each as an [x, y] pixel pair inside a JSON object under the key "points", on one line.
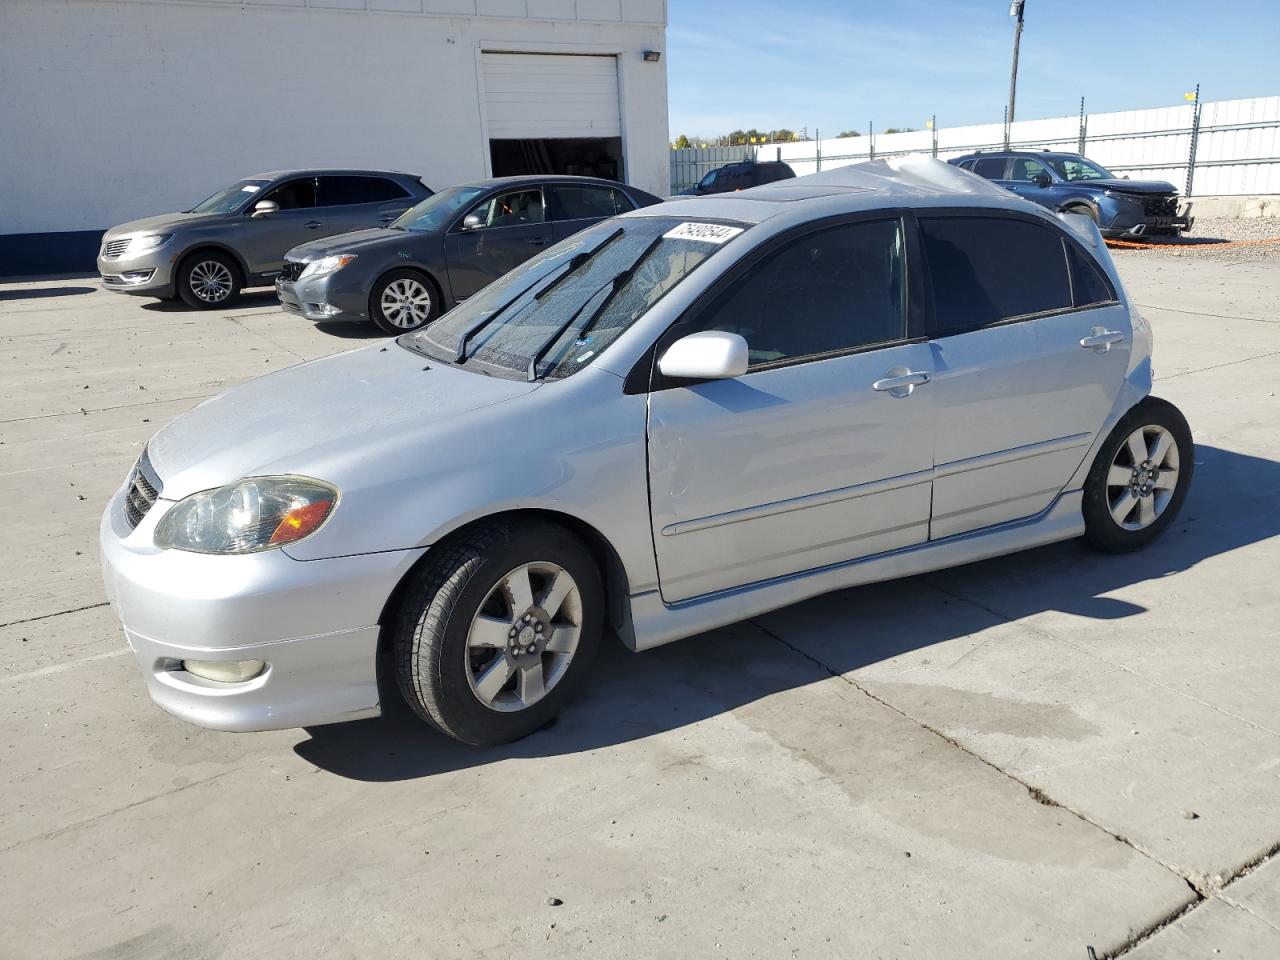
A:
{"points": [[573, 207], [354, 202], [990, 168], [1030, 348], [511, 228], [267, 238], [821, 452], [1021, 180]]}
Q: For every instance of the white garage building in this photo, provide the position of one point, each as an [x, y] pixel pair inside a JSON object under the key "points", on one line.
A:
{"points": [[116, 109]]}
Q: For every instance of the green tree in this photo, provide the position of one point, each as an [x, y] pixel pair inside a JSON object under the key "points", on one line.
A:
{"points": [[783, 135], [901, 130], [682, 142], [736, 137], [849, 133]]}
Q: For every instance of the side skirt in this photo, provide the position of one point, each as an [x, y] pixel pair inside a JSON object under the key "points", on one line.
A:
{"points": [[651, 623]]}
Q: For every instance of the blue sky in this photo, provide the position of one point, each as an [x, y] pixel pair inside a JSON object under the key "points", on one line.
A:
{"points": [[837, 65]]}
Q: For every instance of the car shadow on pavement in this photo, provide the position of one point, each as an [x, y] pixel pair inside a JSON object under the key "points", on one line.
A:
{"points": [[247, 299], [631, 696], [39, 293], [350, 330]]}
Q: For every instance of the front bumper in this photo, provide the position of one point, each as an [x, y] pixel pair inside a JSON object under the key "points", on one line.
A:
{"points": [[1129, 220], [320, 302], [313, 622], [150, 274]]}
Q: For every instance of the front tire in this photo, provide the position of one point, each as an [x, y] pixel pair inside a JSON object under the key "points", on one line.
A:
{"points": [[208, 280], [497, 629], [1140, 478], [404, 300]]}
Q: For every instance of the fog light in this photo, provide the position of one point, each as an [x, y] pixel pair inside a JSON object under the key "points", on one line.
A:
{"points": [[136, 276], [225, 671], [323, 309]]}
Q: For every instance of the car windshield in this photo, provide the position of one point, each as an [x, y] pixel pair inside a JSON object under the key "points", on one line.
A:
{"points": [[553, 315], [1077, 168], [229, 198], [437, 210]]}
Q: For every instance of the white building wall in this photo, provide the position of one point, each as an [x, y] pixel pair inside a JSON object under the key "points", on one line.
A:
{"points": [[115, 109]]}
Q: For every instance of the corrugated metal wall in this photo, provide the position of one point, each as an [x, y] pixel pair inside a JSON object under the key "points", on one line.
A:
{"points": [[1237, 145]]}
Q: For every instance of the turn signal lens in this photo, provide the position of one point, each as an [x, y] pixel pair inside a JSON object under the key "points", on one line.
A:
{"points": [[300, 521]]}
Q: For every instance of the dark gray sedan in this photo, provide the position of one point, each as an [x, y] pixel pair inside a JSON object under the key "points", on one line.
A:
{"points": [[448, 247], [238, 237]]}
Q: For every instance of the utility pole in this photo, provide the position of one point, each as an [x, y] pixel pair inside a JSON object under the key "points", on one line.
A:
{"points": [[1015, 10]]}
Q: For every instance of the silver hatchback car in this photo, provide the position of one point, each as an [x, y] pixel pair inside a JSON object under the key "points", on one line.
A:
{"points": [[681, 417]]}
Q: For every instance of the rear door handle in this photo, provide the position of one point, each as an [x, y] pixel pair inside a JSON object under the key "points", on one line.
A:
{"points": [[538, 243], [901, 384], [1100, 339], [313, 224]]}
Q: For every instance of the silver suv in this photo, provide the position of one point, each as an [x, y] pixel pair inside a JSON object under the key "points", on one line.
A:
{"points": [[238, 237]]}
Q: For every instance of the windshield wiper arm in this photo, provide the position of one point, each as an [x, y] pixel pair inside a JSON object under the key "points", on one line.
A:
{"points": [[615, 284], [573, 264]]}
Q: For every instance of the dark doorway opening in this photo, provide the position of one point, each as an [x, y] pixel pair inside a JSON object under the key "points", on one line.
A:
{"points": [[578, 156]]}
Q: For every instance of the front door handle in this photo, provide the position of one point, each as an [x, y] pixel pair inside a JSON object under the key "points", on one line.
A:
{"points": [[387, 217], [899, 382], [538, 243], [313, 224], [1100, 339]]}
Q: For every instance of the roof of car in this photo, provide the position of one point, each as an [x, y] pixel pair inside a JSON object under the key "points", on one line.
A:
{"points": [[914, 181], [541, 178], [327, 172], [1057, 154]]}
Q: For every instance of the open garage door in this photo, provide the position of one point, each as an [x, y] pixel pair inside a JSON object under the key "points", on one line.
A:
{"points": [[553, 113]]}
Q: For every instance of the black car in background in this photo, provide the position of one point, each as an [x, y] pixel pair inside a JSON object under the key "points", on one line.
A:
{"points": [[1067, 182], [443, 250], [741, 176]]}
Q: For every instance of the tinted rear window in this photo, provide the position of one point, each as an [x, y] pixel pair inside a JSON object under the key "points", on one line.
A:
{"points": [[985, 270], [1088, 284], [579, 203], [340, 191], [990, 167]]}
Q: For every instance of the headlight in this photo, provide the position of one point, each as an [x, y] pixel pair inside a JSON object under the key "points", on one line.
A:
{"points": [[151, 241], [260, 513], [326, 266]]}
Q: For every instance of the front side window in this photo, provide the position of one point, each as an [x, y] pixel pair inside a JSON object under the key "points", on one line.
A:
{"points": [[516, 209], [297, 194], [990, 167], [833, 290], [1078, 168], [986, 270], [1026, 169], [344, 191], [709, 181], [435, 212], [581, 203], [554, 314], [231, 198]]}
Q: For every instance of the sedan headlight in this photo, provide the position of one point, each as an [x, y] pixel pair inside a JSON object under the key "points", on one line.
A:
{"points": [[326, 266], [147, 243], [259, 513]]}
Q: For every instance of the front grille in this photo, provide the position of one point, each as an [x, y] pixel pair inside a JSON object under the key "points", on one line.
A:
{"points": [[114, 249], [1160, 206], [144, 488], [292, 270]]}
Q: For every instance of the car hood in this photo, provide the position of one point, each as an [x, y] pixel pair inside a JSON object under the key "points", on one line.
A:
{"points": [[326, 418], [358, 241], [1142, 187], [165, 221]]}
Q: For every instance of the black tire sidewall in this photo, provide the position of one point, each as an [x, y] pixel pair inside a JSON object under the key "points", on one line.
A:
{"points": [[443, 602], [183, 283], [1101, 530], [375, 299]]}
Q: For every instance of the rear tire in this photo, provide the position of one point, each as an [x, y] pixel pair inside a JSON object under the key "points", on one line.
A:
{"points": [[404, 300], [497, 629], [1139, 479], [208, 280]]}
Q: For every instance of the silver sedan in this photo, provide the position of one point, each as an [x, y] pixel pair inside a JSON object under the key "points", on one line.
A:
{"points": [[681, 417]]}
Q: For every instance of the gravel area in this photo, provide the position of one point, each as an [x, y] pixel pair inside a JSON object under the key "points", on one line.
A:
{"points": [[1215, 238]]}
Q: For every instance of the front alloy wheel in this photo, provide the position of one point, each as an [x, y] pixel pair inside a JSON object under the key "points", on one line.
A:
{"points": [[403, 300], [208, 280]]}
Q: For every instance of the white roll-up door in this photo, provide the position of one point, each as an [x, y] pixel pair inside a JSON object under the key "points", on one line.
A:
{"points": [[532, 96]]}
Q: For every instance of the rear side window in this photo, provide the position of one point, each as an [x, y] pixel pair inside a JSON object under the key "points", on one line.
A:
{"points": [[1088, 284], [985, 270], [833, 290], [990, 167], [341, 191], [579, 203]]}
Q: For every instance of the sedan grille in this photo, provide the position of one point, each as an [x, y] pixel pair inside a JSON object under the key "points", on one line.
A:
{"points": [[114, 249], [1160, 206], [143, 489], [292, 270]]}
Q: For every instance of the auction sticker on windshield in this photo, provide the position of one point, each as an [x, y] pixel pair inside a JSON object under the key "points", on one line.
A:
{"points": [[706, 232]]}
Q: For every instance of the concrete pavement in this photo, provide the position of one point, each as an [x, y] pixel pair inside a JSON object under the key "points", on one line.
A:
{"points": [[1019, 758]]}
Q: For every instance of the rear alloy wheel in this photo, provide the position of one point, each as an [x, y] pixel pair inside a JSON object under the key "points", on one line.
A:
{"points": [[1141, 477], [403, 300], [497, 629], [208, 280]]}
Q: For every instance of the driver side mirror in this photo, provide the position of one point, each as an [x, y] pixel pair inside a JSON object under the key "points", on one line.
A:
{"points": [[264, 208], [1042, 179], [472, 221], [710, 355]]}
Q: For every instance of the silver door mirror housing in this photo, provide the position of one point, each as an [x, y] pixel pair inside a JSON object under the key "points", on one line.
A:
{"points": [[264, 208], [710, 355], [472, 221]]}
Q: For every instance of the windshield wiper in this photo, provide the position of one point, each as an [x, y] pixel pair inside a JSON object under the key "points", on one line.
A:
{"points": [[576, 261], [616, 283]]}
